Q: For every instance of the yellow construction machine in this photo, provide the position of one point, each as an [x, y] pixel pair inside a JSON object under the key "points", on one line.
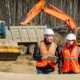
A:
{"points": [[7, 45]]}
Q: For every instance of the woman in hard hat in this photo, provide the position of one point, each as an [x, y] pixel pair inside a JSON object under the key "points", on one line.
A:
{"points": [[70, 55], [46, 62]]}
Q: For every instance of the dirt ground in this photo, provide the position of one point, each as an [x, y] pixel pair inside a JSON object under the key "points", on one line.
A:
{"points": [[15, 67], [23, 64], [24, 69]]}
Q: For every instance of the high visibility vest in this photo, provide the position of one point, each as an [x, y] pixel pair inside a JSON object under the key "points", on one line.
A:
{"points": [[70, 60], [46, 50]]}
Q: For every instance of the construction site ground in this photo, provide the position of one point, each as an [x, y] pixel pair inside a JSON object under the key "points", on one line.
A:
{"points": [[21, 76], [23, 68], [21, 64]]}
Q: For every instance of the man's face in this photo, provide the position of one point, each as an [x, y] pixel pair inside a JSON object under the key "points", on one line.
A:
{"points": [[49, 38]]}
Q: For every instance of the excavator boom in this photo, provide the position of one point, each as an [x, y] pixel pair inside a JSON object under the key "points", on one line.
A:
{"points": [[51, 10], [55, 12]]}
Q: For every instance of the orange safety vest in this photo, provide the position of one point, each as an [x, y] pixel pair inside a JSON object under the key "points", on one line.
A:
{"points": [[70, 60], [46, 50]]}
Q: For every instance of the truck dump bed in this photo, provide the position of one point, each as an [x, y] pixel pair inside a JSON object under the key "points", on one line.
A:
{"points": [[19, 34], [25, 34]]}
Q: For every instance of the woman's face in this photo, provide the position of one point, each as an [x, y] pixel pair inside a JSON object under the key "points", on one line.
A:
{"points": [[70, 42]]}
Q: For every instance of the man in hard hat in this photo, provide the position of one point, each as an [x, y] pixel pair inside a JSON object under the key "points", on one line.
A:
{"points": [[70, 53], [46, 62]]}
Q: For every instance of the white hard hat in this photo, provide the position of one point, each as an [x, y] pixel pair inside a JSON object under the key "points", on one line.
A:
{"points": [[48, 31], [71, 36]]}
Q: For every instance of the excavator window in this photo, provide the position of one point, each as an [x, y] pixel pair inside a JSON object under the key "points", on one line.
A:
{"points": [[2, 30]]}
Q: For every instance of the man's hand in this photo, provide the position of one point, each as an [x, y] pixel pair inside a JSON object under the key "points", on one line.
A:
{"points": [[52, 58]]}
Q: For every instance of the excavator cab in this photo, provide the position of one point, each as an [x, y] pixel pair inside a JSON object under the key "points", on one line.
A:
{"points": [[2, 30], [7, 45]]}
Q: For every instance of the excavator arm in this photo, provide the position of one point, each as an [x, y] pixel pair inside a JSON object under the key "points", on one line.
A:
{"points": [[51, 10], [55, 12]]}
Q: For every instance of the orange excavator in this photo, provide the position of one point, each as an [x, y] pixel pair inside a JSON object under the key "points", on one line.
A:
{"points": [[51, 10]]}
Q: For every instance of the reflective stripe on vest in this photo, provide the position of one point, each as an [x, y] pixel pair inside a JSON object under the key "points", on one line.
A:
{"points": [[73, 54], [70, 59]]}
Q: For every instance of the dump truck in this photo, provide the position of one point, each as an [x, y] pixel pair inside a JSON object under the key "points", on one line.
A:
{"points": [[19, 40]]}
